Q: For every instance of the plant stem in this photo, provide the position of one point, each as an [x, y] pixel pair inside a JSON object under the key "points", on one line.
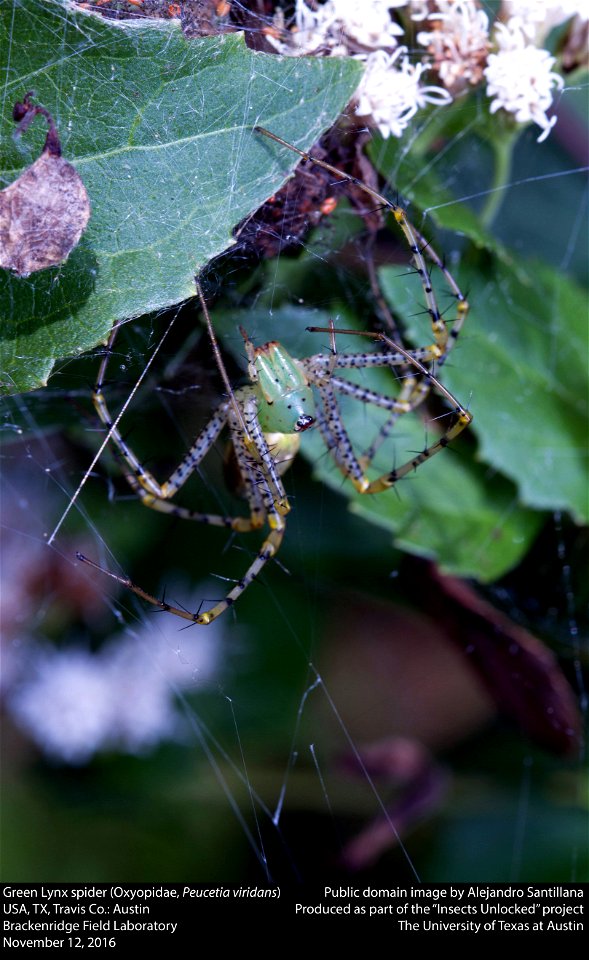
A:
{"points": [[502, 147]]}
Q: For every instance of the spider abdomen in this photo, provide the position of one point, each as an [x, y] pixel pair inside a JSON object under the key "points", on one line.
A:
{"points": [[285, 399]]}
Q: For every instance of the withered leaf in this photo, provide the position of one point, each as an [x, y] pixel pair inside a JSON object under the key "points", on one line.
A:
{"points": [[520, 672], [44, 212]]}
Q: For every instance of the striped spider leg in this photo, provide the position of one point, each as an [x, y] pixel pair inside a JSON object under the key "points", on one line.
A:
{"points": [[332, 426], [260, 472], [415, 387]]}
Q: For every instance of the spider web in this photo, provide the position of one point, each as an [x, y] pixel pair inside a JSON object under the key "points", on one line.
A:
{"points": [[332, 721]]}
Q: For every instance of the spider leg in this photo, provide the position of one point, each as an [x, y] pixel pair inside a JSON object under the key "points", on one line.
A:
{"points": [[158, 495], [269, 548], [337, 440], [264, 491], [335, 433], [405, 375], [137, 476], [263, 505], [418, 245], [258, 449], [320, 366], [413, 392]]}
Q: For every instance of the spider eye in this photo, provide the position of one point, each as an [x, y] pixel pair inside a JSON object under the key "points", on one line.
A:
{"points": [[304, 422]]}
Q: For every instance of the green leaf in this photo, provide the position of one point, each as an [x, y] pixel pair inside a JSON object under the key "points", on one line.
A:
{"points": [[522, 362], [160, 130], [451, 509]]}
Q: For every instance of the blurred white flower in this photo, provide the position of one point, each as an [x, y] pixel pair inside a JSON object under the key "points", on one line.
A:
{"points": [[419, 10], [66, 706], [458, 43], [520, 78], [536, 18], [74, 703], [391, 93], [368, 24], [144, 671]]}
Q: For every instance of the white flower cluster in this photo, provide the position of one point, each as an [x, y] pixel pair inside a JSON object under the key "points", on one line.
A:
{"points": [[391, 92], [460, 48], [536, 18], [341, 26], [458, 44], [520, 78], [74, 703]]}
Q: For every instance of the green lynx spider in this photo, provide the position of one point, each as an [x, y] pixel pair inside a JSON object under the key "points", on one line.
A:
{"points": [[266, 417]]}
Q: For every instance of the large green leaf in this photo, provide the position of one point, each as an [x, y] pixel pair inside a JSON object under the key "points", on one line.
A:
{"points": [[160, 129]]}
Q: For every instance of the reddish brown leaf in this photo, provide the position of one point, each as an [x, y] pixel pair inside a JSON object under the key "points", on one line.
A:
{"points": [[520, 672]]}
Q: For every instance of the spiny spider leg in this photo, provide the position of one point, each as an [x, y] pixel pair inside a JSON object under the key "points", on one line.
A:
{"points": [[333, 427], [414, 389], [263, 488], [443, 340]]}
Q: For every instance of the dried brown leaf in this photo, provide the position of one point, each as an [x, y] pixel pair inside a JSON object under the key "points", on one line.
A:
{"points": [[44, 212]]}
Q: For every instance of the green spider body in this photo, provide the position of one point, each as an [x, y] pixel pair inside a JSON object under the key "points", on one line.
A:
{"points": [[285, 408], [285, 400]]}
